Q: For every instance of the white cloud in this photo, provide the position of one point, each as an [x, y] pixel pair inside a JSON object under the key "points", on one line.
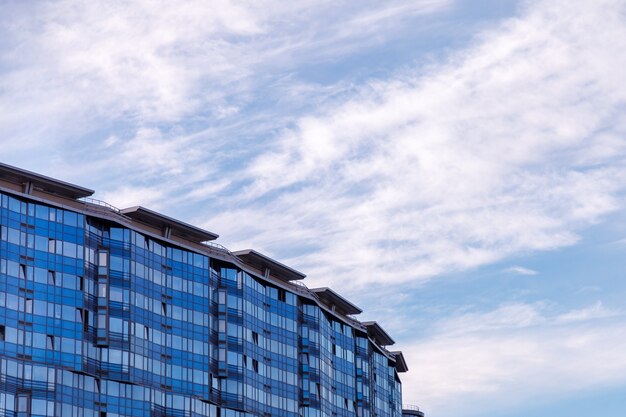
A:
{"points": [[84, 66], [500, 360], [508, 316], [124, 196], [161, 89], [511, 146], [520, 270], [596, 311]]}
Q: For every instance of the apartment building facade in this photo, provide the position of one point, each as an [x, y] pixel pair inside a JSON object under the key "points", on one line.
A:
{"points": [[107, 312]]}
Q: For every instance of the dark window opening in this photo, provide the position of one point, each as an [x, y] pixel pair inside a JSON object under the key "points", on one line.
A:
{"points": [[2, 333], [85, 320]]}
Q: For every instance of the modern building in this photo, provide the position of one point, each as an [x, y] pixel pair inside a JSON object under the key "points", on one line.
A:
{"points": [[107, 312]]}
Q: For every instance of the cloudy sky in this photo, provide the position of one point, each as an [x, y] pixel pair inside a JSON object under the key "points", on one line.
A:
{"points": [[457, 168]]}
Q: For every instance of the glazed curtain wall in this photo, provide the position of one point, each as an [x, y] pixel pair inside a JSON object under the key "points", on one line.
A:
{"points": [[99, 320]]}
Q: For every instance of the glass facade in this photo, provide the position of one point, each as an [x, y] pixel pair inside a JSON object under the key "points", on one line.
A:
{"points": [[98, 318]]}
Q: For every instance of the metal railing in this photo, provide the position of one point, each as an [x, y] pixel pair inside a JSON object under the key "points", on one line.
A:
{"points": [[217, 246], [301, 287], [412, 407], [99, 206], [100, 203]]}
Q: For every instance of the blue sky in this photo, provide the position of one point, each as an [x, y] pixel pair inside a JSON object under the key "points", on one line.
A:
{"points": [[457, 168]]}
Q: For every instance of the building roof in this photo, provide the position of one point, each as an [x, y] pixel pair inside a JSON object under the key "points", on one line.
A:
{"points": [[333, 299], [42, 183], [163, 222], [378, 333], [401, 365], [261, 262]]}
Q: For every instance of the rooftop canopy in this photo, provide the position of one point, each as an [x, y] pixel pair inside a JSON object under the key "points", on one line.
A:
{"points": [[30, 180], [168, 225], [378, 333], [333, 299], [401, 365], [264, 263]]}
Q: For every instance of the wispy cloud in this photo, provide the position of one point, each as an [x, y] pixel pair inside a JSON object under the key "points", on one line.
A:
{"points": [[596, 311], [509, 316], [79, 67], [499, 360], [511, 146], [172, 91], [520, 270]]}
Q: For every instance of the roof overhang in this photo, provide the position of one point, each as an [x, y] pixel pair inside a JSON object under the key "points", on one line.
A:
{"points": [[168, 225], [401, 365], [333, 299], [30, 180], [268, 266], [378, 333]]}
